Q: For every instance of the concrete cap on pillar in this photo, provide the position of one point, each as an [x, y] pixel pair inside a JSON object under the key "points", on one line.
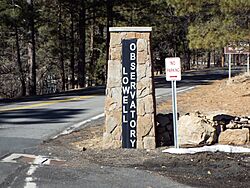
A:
{"points": [[130, 29]]}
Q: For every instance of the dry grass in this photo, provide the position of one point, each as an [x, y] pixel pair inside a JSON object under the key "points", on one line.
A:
{"points": [[221, 96]]}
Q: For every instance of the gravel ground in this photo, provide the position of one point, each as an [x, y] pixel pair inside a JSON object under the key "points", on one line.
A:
{"points": [[206, 169]]}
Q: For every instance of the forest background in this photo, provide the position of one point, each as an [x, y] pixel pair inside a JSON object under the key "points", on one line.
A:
{"points": [[49, 46]]}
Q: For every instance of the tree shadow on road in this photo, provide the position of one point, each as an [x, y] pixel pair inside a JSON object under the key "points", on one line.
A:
{"points": [[38, 116]]}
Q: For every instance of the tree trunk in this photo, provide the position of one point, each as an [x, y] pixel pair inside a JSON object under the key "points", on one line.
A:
{"points": [[214, 58], [222, 58], [208, 59], [61, 47], [67, 69], [82, 35], [197, 60], [19, 64], [92, 53], [31, 50], [189, 61], [72, 50], [109, 7]]}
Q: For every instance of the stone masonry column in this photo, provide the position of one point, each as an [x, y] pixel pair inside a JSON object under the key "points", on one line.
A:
{"points": [[145, 98]]}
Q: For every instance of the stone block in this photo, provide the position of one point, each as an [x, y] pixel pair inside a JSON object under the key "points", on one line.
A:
{"points": [[115, 53], [141, 107], [234, 136], [115, 74], [149, 143], [112, 121], [142, 57], [142, 45], [195, 131], [149, 104], [130, 35], [145, 36], [115, 40], [145, 124], [142, 71], [110, 104]]}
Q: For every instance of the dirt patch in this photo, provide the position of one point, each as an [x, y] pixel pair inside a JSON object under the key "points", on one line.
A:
{"points": [[83, 147], [200, 170]]}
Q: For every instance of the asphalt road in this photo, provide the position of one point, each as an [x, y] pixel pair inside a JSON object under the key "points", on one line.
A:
{"points": [[25, 123]]}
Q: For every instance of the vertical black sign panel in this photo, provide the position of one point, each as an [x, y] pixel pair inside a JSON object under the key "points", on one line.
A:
{"points": [[129, 115]]}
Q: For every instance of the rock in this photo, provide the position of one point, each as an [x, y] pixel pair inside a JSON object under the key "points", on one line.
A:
{"points": [[144, 125], [164, 129], [170, 127], [149, 142], [165, 140], [234, 136], [233, 125], [246, 126], [236, 119], [244, 120], [163, 119], [194, 130], [223, 119]]}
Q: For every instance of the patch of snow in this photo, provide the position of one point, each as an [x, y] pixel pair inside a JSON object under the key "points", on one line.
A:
{"points": [[214, 148]]}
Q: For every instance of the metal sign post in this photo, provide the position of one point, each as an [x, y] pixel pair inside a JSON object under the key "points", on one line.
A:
{"points": [[229, 67], [174, 109], [248, 67], [173, 74]]}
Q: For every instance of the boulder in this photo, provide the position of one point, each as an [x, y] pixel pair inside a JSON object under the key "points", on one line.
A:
{"points": [[223, 119], [163, 119], [195, 131], [164, 130], [234, 136], [233, 125]]}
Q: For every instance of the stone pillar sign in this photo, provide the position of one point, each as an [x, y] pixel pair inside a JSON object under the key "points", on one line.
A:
{"points": [[130, 103]]}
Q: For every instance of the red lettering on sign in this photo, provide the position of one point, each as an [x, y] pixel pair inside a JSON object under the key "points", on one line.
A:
{"points": [[172, 62], [173, 70]]}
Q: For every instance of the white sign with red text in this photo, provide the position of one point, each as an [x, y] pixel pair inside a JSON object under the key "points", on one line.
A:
{"points": [[173, 68]]}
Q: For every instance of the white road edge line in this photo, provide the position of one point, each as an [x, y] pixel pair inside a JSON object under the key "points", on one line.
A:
{"points": [[74, 127], [178, 91]]}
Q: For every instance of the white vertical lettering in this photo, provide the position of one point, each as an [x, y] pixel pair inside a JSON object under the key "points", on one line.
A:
{"points": [[132, 113], [132, 46], [125, 99], [125, 90], [124, 71], [132, 105], [132, 66], [132, 56], [132, 133], [125, 80], [132, 94], [132, 124], [124, 120], [132, 84], [132, 143], [132, 76], [124, 109]]}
